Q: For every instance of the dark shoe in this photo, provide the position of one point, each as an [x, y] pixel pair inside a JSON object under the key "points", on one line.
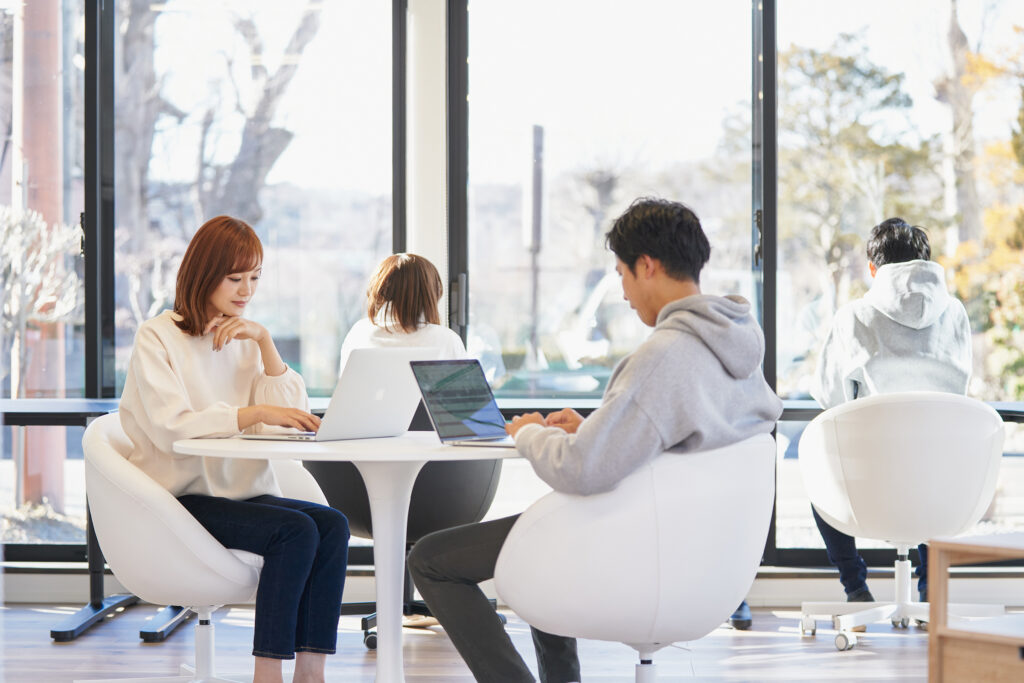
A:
{"points": [[741, 619], [860, 595]]}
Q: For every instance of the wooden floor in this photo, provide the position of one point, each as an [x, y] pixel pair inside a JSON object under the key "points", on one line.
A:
{"points": [[772, 651]]}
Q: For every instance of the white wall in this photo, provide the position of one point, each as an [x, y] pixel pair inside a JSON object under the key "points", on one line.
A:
{"points": [[426, 136]]}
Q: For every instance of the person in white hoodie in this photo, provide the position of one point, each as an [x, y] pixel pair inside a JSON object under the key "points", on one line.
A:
{"points": [[907, 333], [695, 384]]}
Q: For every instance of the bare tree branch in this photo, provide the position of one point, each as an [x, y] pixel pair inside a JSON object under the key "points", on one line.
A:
{"points": [[957, 90], [262, 144], [37, 282]]}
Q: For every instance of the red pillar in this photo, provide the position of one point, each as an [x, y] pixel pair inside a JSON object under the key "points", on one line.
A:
{"points": [[41, 102]]}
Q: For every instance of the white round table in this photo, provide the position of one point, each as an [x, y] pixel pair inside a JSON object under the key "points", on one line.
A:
{"points": [[389, 467]]}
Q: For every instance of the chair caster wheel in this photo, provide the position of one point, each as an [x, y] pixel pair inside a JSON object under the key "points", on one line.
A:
{"points": [[370, 640], [845, 641], [900, 622], [808, 626]]}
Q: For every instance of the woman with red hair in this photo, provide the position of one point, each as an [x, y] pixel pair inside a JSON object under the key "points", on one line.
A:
{"points": [[204, 370]]}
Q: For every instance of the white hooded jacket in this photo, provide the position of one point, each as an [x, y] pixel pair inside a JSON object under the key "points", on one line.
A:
{"points": [[906, 334]]}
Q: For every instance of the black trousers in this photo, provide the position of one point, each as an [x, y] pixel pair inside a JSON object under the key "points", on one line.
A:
{"points": [[447, 567]]}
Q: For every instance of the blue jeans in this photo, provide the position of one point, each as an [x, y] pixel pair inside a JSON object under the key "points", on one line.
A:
{"points": [[853, 572], [305, 553]]}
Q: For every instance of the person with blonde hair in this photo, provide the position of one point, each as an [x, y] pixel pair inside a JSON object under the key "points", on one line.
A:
{"points": [[204, 370], [402, 310]]}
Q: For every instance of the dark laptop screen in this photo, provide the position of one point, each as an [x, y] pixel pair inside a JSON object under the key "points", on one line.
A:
{"points": [[458, 399]]}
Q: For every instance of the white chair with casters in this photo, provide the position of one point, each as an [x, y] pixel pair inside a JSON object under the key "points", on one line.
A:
{"points": [[902, 468], [158, 551], [692, 556]]}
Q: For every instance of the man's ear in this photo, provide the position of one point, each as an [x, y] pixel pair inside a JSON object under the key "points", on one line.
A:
{"points": [[646, 266], [873, 268]]}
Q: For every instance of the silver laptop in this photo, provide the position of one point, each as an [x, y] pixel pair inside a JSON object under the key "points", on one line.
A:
{"points": [[460, 403], [376, 396]]}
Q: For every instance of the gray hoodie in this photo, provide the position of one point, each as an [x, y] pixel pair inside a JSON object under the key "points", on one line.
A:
{"points": [[906, 334], [694, 384]]}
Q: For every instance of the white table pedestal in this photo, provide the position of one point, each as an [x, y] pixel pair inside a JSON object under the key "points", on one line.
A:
{"points": [[389, 488]]}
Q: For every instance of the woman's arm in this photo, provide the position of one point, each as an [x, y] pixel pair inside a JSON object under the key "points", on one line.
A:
{"points": [[226, 328], [273, 365], [157, 395], [279, 394]]}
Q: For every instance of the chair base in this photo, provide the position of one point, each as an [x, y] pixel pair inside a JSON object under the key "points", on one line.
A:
{"points": [[848, 615], [203, 671], [411, 608]]}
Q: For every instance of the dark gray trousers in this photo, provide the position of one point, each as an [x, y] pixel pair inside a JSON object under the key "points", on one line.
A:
{"points": [[446, 567]]}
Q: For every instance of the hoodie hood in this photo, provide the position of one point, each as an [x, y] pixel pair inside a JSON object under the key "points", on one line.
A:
{"points": [[912, 293], [725, 326]]}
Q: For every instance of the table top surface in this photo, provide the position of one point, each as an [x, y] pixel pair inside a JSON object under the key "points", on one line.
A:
{"points": [[1010, 625], [1012, 543], [408, 447]]}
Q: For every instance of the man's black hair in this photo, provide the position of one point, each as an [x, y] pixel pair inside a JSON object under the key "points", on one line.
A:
{"points": [[895, 241], [664, 230]]}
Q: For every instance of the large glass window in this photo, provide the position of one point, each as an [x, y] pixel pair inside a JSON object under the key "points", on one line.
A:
{"points": [[575, 109], [278, 113], [41, 305], [913, 109]]}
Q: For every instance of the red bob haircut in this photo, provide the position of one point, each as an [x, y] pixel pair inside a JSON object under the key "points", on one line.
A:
{"points": [[222, 245]]}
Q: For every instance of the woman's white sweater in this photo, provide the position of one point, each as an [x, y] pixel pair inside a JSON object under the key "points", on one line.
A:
{"points": [[178, 387]]}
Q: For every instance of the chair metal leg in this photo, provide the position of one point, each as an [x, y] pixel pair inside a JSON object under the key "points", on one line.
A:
{"points": [[646, 671], [204, 645]]}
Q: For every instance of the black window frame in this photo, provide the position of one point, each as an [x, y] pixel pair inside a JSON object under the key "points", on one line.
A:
{"points": [[764, 221], [98, 218]]}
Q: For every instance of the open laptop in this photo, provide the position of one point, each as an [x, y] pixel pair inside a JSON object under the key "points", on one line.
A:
{"points": [[376, 396], [460, 403]]}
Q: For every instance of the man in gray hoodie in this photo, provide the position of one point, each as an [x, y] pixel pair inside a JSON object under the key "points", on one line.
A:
{"points": [[907, 333], [695, 384]]}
